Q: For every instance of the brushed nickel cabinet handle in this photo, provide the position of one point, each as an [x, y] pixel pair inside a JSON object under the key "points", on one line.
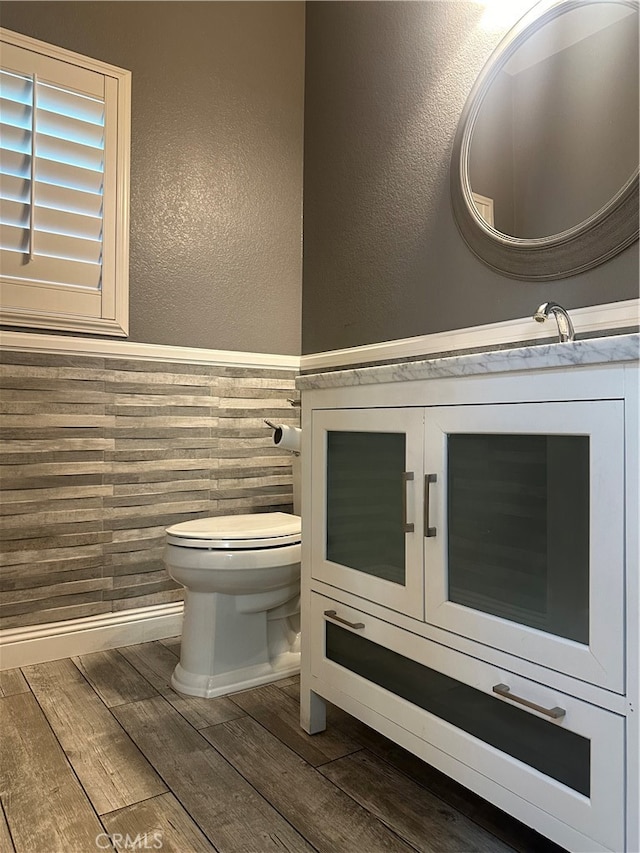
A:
{"points": [[331, 614], [505, 691], [407, 526], [428, 479]]}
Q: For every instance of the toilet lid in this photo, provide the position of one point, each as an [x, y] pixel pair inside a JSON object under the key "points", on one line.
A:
{"points": [[257, 530]]}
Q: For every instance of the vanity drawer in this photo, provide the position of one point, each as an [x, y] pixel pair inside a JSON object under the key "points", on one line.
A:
{"points": [[563, 756]]}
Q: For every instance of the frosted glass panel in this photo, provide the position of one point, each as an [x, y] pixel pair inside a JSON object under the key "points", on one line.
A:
{"points": [[518, 529], [364, 502], [554, 751]]}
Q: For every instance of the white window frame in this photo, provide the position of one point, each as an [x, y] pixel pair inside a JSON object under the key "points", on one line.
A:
{"points": [[72, 308]]}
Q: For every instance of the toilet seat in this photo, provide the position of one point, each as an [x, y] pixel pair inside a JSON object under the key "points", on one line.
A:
{"points": [[237, 532]]}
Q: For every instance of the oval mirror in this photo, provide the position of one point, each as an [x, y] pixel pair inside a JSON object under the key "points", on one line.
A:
{"points": [[544, 174]]}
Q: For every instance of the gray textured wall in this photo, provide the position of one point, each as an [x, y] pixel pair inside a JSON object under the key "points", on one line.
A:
{"points": [[216, 169], [385, 85]]}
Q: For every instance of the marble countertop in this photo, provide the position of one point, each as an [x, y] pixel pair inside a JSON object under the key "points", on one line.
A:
{"points": [[617, 348]]}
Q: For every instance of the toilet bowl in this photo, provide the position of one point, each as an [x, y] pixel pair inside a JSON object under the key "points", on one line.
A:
{"points": [[242, 600]]}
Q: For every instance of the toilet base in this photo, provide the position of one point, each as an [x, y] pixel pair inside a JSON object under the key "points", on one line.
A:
{"points": [[235, 680]]}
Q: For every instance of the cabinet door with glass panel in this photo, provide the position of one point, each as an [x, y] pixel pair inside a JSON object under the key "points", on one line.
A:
{"points": [[366, 523], [524, 547]]}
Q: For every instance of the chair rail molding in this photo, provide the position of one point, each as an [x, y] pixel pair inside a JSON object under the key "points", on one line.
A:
{"points": [[590, 321], [68, 345]]}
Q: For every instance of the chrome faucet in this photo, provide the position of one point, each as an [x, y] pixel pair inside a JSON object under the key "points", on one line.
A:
{"points": [[565, 326]]}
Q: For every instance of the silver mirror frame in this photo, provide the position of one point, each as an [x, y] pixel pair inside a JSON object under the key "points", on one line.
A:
{"points": [[592, 242]]}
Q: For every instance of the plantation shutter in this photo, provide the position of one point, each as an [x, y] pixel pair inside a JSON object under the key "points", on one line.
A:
{"points": [[58, 189]]}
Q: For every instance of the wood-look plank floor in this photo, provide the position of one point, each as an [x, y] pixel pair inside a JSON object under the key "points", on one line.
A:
{"points": [[99, 753]]}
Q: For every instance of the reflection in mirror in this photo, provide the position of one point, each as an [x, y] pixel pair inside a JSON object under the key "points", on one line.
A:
{"points": [[556, 135], [544, 168]]}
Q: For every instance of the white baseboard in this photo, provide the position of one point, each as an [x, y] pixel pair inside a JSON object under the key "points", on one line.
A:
{"points": [[57, 640]]}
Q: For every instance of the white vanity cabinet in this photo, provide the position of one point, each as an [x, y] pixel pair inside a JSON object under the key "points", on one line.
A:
{"points": [[470, 584], [497, 522]]}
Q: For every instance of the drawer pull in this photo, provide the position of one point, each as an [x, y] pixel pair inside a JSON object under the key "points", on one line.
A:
{"points": [[505, 691], [407, 526], [428, 479], [332, 615]]}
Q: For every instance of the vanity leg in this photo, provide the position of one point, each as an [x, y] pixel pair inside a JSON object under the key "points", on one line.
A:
{"points": [[313, 717]]}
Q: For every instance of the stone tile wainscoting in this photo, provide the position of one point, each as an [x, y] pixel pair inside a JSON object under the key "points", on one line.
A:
{"points": [[98, 455]]}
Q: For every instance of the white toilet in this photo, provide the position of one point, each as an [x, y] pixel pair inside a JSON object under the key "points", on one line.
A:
{"points": [[242, 602]]}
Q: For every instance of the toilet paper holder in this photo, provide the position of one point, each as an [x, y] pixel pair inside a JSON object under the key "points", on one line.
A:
{"points": [[286, 437]]}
